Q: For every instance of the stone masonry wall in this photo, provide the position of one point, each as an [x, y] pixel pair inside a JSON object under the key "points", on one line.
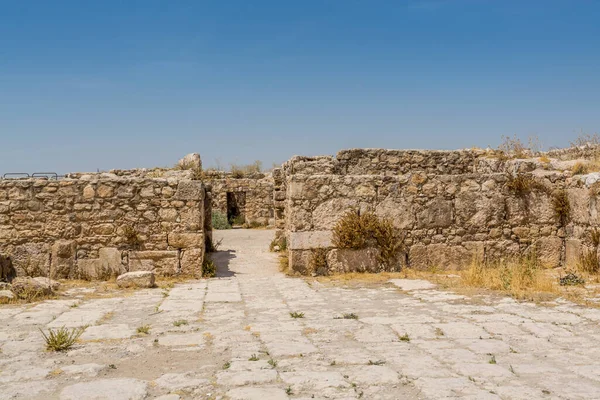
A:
{"points": [[259, 197], [101, 225], [447, 218]]}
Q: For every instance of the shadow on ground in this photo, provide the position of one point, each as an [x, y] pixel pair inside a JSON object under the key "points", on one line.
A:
{"points": [[222, 260]]}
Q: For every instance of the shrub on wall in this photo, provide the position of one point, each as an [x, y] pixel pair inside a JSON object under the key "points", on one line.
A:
{"points": [[219, 220], [562, 206], [360, 231], [521, 184]]}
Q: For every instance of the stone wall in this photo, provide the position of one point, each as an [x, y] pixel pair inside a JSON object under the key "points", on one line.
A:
{"points": [[258, 192], [102, 224], [447, 213]]}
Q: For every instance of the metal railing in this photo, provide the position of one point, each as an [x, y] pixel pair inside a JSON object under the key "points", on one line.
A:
{"points": [[35, 175]]}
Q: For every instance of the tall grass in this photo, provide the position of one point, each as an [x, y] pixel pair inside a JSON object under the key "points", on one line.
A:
{"points": [[519, 277]]}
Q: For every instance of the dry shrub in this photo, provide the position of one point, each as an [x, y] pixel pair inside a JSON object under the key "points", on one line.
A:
{"points": [[131, 237], [284, 262], [579, 169], [544, 159], [241, 171], [361, 231], [280, 241], [521, 184], [595, 189], [317, 262], [209, 268], [586, 139], [588, 260], [518, 277], [514, 147], [561, 206], [61, 339]]}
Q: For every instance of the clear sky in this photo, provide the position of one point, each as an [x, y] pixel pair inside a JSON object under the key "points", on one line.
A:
{"points": [[88, 85]]}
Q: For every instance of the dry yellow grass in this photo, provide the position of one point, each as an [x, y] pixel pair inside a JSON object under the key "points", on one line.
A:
{"points": [[544, 159], [521, 279]]}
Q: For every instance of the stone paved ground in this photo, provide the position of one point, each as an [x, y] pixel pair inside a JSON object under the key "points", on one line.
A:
{"points": [[237, 323]]}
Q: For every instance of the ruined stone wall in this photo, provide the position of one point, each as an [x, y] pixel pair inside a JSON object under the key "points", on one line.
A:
{"points": [[101, 225], [258, 191], [446, 218]]}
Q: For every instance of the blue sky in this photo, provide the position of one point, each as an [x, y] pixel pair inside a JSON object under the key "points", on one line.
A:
{"points": [[88, 85]]}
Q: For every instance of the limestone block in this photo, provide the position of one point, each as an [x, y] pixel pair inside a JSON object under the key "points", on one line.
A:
{"points": [[398, 210], [573, 251], [6, 295], [579, 200], [309, 240], [475, 209], [548, 251], [328, 213], [89, 192], [417, 257], [161, 262], [191, 262], [499, 250], [350, 260], [298, 261], [31, 259], [104, 191], [141, 279], [190, 161], [192, 219], [190, 190], [168, 214], [33, 286], [296, 190], [185, 240], [63, 259], [436, 214]]}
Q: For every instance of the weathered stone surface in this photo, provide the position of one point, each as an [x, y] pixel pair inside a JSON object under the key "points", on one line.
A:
{"points": [[142, 279], [348, 260], [190, 190], [63, 259], [309, 240], [190, 161], [39, 285], [109, 389], [185, 240], [6, 295], [548, 251], [161, 262]]}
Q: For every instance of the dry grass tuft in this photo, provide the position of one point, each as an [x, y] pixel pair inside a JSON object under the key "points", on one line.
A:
{"points": [[361, 231], [561, 206], [519, 278], [209, 268], [284, 262], [61, 339], [579, 169], [521, 184], [131, 236]]}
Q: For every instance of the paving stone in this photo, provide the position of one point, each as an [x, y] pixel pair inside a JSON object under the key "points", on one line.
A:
{"points": [[412, 284], [89, 370], [109, 389], [241, 378], [540, 352], [186, 381], [107, 332], [253, 393]]}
